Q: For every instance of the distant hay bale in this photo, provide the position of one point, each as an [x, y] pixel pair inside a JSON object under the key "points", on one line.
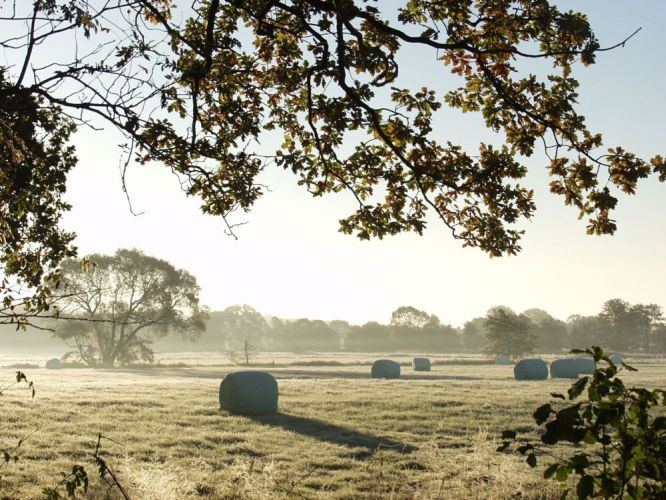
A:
{"points": [[249, 393], [585, 366], [420, 365], [531, 369], [616, 358], [503, 360], [565, 368], [385, 368], [53, 364]]}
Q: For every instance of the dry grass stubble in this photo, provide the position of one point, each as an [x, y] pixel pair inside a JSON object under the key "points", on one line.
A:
{"points": [[342, 435]]}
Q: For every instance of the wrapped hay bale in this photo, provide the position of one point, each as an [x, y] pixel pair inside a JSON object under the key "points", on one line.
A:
{"points": [[420, 365], [249, 393], [385, 368], [616, 358], [531, 369], [502, 360], [585, 366], [53, 364], [565, 368]]}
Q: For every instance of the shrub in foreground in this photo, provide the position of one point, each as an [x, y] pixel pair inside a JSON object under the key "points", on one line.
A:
{"points": [[619, 433]]}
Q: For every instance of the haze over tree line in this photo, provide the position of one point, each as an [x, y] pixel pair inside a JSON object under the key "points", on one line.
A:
{"points": [[619, 326], [112, 309], [316, 75]]}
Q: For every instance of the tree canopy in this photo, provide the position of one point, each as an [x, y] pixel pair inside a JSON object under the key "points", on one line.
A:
{"points": [[111, 309], [238, 324], [220, 90], [508, 333]]}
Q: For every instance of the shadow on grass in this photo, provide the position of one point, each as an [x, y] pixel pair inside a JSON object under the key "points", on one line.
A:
{"points": [[331, 433]]}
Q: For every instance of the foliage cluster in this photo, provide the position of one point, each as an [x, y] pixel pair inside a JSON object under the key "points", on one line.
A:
{"points": [[199, 87], [76, 481], [10, 454], [619, 434], [619, 326]]}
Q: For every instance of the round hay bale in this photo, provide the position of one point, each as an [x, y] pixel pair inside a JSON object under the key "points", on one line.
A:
{"points": [[53, 364], [565, 368], [385, 368], [249, 393], [585, 366], [421, 364], [531, 369], [503, 360], [616, 358]]}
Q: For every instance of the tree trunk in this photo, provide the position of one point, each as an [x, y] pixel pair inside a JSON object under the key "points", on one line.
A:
{"points": [[108, 359]]}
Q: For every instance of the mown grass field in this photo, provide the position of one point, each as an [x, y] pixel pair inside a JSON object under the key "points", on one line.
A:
{"points": [[339, 434]]}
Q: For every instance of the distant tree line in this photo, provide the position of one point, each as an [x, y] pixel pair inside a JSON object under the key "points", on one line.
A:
{"points": [[618, 326], [114, 307]]}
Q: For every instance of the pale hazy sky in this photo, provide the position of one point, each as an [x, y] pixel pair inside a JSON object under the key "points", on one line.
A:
{"points": [[290, 261]]}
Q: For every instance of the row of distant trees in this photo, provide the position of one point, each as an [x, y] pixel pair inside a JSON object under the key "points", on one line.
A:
{"points": [[618, 326], [409, 329], [111, 308]]}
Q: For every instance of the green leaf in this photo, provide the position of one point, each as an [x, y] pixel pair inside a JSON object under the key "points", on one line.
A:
{"points": [[577, 388], [562, 474], [589, 438], [503, 446], [509, 434], [550, 471], [542, 413], [531, 460], [525, 448], [585, 488]]}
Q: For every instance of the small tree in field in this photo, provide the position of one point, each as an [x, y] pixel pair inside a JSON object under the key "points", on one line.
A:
{"points": [[248, 350], [114, 306], [242, 325], [508, 333]]}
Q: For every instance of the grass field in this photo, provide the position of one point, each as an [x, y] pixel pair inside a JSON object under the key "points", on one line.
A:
{"points": [[338, 433]]}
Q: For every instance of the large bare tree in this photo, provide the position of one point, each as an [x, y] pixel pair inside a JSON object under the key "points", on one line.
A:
{"points": [[117, 305]]}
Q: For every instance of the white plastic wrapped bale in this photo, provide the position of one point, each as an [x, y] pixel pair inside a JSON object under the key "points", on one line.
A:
{"points": [[385, 368], [249, 393], [421, 364], [502, 360], [585, 366], [616, 358], [53, 364], [530, 369], [565, 368]]}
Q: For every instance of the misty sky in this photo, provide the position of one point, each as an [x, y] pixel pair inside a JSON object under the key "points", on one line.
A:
{"points": [[290, 261]]}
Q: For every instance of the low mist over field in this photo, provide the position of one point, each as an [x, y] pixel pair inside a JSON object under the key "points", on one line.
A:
{"points": [[619, 326], [347, 249]]}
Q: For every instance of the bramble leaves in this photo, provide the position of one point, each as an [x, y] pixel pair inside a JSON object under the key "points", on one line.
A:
{"points": [[620, 433]]}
